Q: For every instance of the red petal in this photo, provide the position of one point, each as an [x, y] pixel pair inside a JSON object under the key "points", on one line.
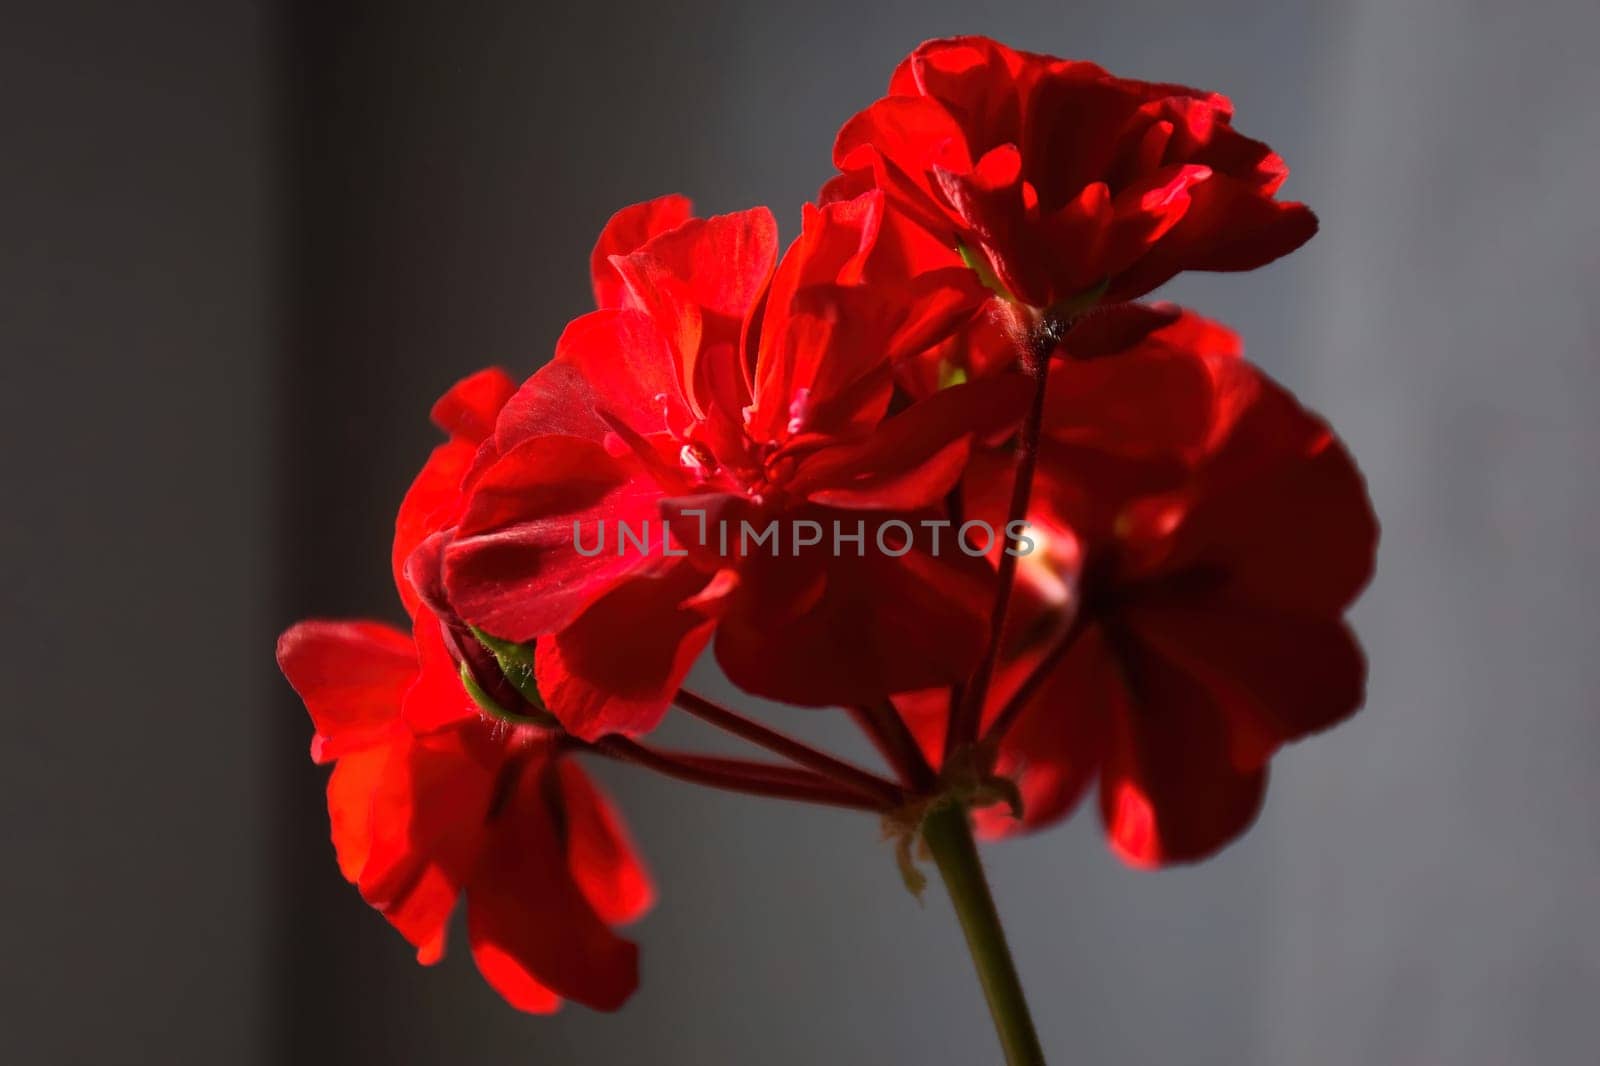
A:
{"points": [[899, 140], [1282, 511], [976, 77], [623, 234], [1116, 328], [875, 478], [1056, 745], [1176, 395], [798, 360], [432, 503], [1275, 677], [514, 568], [701, 283], [530, 927], [720, 264], [352, 677], [436, 699], [617, 666], [350, 788], [350, 674], [427, 811], [614, 361], [1144, 213], [424, 810], [422, 915], [916, 457], [1019, 250], [603, 859], [467, 412], [512, 980], [836, 336], [1202, 133], [822, 630], [1229, 226], [927, 714], [1075, 120], [1169, 790]]}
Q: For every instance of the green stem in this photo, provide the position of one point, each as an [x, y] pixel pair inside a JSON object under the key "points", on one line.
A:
{"points": [[949, 838]]}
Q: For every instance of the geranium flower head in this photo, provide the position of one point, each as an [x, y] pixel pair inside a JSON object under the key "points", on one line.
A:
{"points": [[728, 389], [1065, 182], [1198, 536]]}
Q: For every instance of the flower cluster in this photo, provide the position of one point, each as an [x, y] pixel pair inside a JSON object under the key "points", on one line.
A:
{"points": [[1149, 545]]}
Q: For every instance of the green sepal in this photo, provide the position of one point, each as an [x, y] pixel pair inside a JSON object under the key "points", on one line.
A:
{"points": [[516, 662], [492, 709]]}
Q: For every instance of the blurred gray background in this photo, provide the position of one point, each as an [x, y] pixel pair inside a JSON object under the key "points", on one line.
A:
{"points": [[245, 244]]}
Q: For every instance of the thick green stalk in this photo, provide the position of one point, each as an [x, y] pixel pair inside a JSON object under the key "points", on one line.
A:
{"points": [[949, 838]]}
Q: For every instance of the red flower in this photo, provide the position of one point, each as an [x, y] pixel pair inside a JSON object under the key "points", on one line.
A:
{"points": [[1199, 536], [719, 387], [429, 801], [1065, 178]]}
